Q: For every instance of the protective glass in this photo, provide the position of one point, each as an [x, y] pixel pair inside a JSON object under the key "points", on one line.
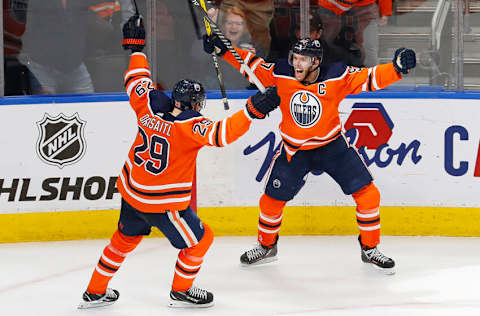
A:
{"points": [[299, 61]]}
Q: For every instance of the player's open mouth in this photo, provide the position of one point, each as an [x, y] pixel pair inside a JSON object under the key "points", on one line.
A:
{"points": [[299, 71]]}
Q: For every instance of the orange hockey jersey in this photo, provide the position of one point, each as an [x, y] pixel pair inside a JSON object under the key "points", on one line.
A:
{"points": [[158, 173], [310, 117], [342, 6]]}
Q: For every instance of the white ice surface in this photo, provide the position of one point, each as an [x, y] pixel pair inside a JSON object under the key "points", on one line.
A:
{"points": [[313, 276]]}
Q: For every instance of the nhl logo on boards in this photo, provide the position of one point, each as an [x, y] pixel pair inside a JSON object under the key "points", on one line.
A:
{"points": [[305, 109], [61, 139]]}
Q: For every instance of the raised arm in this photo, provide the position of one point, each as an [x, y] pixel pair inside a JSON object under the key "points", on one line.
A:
{"points": [[378, 77], [261, 69], [228, 130], [138, 82]]}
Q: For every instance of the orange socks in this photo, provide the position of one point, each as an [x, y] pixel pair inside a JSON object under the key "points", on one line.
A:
{"points": [[189, 261], [270, 219], [110, 261], [368, 214]]}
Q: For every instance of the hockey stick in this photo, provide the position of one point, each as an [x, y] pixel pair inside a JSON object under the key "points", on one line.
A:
{"points": [[194, 20], [215, 59], [227, 43], [136, 12], [136, 8]]}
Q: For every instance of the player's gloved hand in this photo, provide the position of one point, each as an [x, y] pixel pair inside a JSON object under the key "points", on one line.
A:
{"points": [[404, 60], [213, 43], [134, 34], [260, 104]]}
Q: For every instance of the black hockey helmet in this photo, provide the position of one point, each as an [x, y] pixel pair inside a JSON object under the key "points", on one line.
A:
{"points": [[189, 92], [307, 47]]}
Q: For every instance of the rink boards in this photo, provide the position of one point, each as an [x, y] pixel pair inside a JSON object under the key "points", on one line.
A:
{"points": [[61, 157]]}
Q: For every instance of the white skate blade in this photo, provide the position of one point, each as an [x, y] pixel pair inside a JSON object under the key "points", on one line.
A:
{"points": [[260, 262], [386, 271], [182, 304], [85, 305]]}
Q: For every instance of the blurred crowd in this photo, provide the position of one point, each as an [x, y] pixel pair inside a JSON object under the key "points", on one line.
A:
{"points": [[73, 46]]}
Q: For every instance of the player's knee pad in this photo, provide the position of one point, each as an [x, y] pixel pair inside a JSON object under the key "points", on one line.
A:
{"points": [[367, 198], [124, 243], [200, 249], [271, 207]]}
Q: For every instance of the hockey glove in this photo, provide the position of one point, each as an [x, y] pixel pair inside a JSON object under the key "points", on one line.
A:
{"points": [[134, 34], [260, 104], [213, 42], [404, 60]]}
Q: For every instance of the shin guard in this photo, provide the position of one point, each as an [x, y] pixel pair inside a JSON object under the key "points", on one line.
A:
{"points": [[111, 260], [189, 262], [270, 219], [368, 214]]}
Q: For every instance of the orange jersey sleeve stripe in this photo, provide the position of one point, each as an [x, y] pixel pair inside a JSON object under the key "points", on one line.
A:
{"points": [[138, 70], [263, 70], [370, 79], [224, 132]]}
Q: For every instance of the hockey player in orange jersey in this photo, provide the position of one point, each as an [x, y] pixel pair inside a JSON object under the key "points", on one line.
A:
{"points": [[313, 140], [156, 180]]}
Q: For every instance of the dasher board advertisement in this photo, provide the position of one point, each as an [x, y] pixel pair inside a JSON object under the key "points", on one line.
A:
{"points": [[66, 156]]}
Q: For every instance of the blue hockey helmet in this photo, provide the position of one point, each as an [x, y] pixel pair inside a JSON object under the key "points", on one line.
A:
{"points": [[189, 93], [307, 47]]}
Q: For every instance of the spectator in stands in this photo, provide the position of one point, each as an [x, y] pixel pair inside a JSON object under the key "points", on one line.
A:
{"points": [[105, 59], [258, 15], [233, 26], [370, 15], [354, 25], [333, 52], [55, 44], [14, 23]]}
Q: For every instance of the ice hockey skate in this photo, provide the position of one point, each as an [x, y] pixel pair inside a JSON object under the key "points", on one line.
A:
{"points": [[259, 255], [194, 297], [377, 259], [90, 300]]}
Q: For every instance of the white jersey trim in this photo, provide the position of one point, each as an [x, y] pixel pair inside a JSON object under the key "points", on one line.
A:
{"points": [[134, 83], [224, 132], [136, 71], [269, 220], [365, 84], [113, 263], [184, 275], [103, 272], [210, 135], [183, 264], [369, 228], [154, 202], [374, 79], [179, 229], [338, 5], [375, 214], [268, 231]]}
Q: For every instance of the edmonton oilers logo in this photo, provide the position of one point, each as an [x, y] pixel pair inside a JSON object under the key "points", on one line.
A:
{"points": [[305, 108]]}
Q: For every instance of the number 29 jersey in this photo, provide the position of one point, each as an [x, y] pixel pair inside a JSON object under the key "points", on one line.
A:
{"points": [[158, 173]]}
